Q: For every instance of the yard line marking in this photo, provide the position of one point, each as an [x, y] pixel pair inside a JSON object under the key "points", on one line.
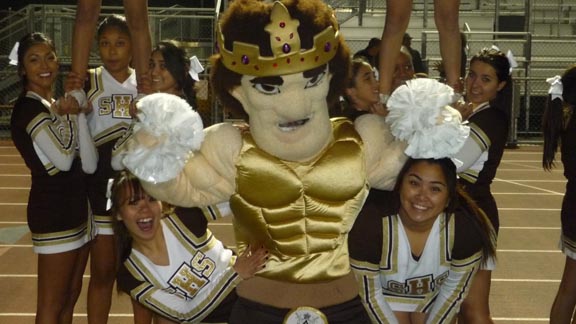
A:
{"points": [[530, 209], [521, 319], [524, 193], [545, 181], [527, 280], [530, 228], [15, 245], [14, 188], [530, 167], [528, 251], [527, 170], [531, 187]]}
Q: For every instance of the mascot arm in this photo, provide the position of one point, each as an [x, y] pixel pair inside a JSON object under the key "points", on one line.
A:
{"points": [[384, 154], [208, 176]]}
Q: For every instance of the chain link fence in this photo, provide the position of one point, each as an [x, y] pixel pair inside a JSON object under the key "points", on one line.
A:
{"points": [[192, 28], [540, 33]]}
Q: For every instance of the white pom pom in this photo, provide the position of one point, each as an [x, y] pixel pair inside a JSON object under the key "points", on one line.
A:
{"points": [[419, 114], [177, 131]]}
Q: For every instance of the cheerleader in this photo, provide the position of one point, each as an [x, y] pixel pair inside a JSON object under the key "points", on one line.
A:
{"points": [[559, 130], [173, 266], [57, 149]]}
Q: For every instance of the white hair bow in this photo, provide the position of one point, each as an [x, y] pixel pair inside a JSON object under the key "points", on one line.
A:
{"points": [[195, 68], [511, 60], [14, 54], [556, 87]]}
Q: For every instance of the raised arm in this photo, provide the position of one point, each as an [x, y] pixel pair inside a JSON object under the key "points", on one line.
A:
{"points": [[209, 174], [384, 154], [87, 13], [137, 19]]}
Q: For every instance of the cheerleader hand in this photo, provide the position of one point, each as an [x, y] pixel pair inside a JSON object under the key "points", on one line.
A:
{"points": [[465, 108], [379, 109], [66, 105], [144, 84], [251, 261], [73, 82]]}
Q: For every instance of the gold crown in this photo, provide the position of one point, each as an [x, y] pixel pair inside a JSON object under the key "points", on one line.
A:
{"points": [[285, 44]]}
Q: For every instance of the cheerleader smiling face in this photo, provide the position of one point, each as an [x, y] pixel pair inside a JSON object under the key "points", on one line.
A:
{"points": [[482, 83], [424, 194], [289, 113], [40, 68], [162, 79], [140, 212]]}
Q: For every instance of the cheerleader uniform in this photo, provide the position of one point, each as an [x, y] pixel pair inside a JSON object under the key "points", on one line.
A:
{"points": [[108, 122], [568, 219], [489, 131], [392, 279], [57, 206], [198, 284]]}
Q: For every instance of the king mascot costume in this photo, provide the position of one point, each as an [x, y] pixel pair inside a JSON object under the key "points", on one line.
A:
{"points": [[296, 179]]}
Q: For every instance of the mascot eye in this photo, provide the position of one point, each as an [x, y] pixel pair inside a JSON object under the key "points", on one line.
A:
{"points": [[315, 80], [267, 89]]}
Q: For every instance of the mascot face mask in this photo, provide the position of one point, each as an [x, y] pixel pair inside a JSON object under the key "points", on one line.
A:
{"points": [[288, 114], [285, 76]]}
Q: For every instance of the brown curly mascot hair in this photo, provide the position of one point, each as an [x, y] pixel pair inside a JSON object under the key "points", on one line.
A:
{"points": [[245, 20]]}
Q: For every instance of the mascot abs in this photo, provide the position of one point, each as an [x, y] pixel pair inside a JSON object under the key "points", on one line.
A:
{"points": [[297, 179]]}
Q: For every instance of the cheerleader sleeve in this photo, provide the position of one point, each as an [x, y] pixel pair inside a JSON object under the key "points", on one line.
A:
{"points": [[88, 151], [487, 127], [368, 278], [55, 137], [466, 259], [365, 248], [172, 304], [454, 289], [470, 151]]}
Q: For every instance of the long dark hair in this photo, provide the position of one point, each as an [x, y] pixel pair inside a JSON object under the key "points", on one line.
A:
{"points": [[25, 43], [557, 114], [458, 199], [501, 65], [125, 186], [177, 64]]}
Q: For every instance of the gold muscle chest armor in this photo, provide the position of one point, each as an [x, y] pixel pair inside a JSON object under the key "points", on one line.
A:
{"points": [[301, 212]]}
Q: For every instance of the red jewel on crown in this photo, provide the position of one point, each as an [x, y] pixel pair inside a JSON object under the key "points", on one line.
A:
{"points": [[285, 44]]}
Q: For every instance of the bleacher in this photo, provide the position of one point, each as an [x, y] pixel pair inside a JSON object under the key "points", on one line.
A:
{"points": [[541, 37], [544, 50]]}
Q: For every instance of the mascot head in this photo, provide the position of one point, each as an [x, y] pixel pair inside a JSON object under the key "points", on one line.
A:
{"points": [[283, 63]]}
